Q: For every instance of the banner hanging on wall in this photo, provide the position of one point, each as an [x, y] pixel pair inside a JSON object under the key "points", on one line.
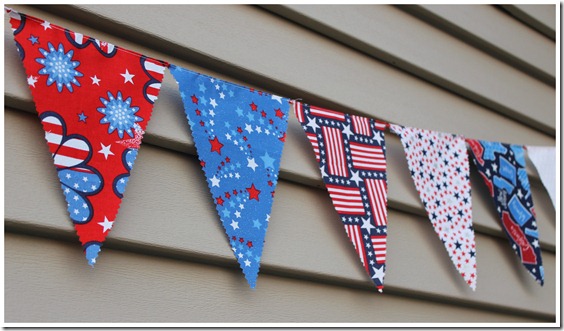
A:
{"points": [[239, 135], [544, 160], [439, 167], [94, 100], [502, 166], [351, 153]]}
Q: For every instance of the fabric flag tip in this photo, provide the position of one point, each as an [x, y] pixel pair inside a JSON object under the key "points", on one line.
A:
{"points": [[91, 251]]}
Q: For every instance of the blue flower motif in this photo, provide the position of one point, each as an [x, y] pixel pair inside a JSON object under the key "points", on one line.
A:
{"points": [[119, 114], [59, 66], [120, 182]]}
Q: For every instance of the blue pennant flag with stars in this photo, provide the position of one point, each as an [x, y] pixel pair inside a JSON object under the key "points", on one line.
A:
{"points": [[239, 134]]}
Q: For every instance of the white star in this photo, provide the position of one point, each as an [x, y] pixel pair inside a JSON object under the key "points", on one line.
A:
{"points": [[520, 194], [323, 173], [366, 225], [107, 225], [106, 150], [494, 167], [536, 243], [240, 255], [214, 181], [238, 214], [247, 263], [212, 113], [31, 80], [221, 95], [252, 164], [355, 177], [127, 77], [347, 131], [378, 137], [95, 80], [277, 98], [248, 128], [378, 273], [213, 103], [46, 25], [234, 225], [311, 123]]}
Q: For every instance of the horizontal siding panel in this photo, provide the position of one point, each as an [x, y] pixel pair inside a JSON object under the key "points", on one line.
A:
{"points": [[494, 31], [540, 17], [432, 54], [167, 209], [134, 288], [365, 86]]}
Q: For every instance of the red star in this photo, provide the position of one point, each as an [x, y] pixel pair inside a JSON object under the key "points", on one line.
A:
{"points": [[194, 99], [219, 201], [270, 121], [239, 129], [279, 113], [202, 163], [253, 106], [227, 159], [235, 192], [227, 195], [216, 146], [202, 123], [198, 112], [270, 183], [253, 192], [263, 113], [283, 138], [233, 238], [241, 240], [249, 244]]}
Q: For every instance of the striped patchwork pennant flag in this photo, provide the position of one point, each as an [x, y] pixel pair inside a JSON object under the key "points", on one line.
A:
{"points": [[439, 167], [239, 135], [94, 100], [502, 166], [351, 154]]}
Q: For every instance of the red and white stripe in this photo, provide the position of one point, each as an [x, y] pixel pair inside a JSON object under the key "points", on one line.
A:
{"points": [[379, 245], [68, 154], [378, 197], [326, 113], [367, 157], [315, 143], [335, 152], [105, 46], [157, 72], [381, 126], [347, 200], [78, 38], [299, 111], [361, 125], [353, 231], [15, 19]]}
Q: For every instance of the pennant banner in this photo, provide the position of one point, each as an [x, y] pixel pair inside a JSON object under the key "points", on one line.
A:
{"points": [[439, 166], [502, 166], [94, 100], [239, 135], [351, 154], [544, 160]]}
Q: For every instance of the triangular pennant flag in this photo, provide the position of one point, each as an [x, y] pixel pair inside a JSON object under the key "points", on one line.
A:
{"points": [[239, 134], [439, 167], [502, 166], [544, 160], [351, 153], [94, 100]]}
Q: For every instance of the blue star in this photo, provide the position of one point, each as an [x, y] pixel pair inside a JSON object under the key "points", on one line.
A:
{"points": [[239, 111], [268, 161], [251, 117], [472, 253], [227, 125], [202, 88], [458, 245], [34, 40], [261, 120], [256, 224], [231, 94], [226, 213], [203, 100], [82, 117]]}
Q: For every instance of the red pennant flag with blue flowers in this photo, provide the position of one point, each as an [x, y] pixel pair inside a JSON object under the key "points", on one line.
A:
{"points": [[94, 100]]}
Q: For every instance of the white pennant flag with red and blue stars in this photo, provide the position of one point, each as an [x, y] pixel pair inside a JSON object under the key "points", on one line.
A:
{"points": [[239, 134]]}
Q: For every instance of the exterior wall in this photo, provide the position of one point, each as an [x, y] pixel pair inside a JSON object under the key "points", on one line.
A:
{"points": [[167, 260]]}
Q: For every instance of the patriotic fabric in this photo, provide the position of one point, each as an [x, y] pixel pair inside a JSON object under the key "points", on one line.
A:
{"points": [[94, 100], [351, 154], [544, 160], [502, 166], [439, 167], [239, 134]]}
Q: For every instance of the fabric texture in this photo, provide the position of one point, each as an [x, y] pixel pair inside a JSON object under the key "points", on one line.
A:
{"points": [[544, 160], [239, 135], [438, 163], [94, 100], [351, 153], [502, 166]]}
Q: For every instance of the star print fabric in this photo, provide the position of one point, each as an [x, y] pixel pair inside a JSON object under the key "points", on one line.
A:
{"points": [[502, 167], [94, 100], [351, 153], [239, 135], [439, 167]]}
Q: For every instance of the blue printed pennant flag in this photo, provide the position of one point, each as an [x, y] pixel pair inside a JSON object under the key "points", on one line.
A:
{"points": [[239, 135], [502, 167]]}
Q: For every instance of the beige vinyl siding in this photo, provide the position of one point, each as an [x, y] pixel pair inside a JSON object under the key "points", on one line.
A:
{"points": [[168, 242]]}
